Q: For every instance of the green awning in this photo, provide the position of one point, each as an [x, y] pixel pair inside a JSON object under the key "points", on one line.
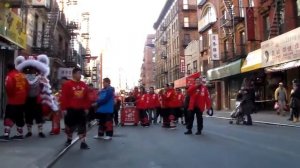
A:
{"points": [[230, 69]]}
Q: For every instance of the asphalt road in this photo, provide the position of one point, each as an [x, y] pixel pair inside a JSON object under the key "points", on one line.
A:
{"points": [[221, 146]]}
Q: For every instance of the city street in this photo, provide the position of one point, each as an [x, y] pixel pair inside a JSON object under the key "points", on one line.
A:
{"points": [[221, 145]]}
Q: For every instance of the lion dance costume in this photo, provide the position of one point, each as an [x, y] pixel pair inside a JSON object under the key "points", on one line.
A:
{"points": [[40, 101]]}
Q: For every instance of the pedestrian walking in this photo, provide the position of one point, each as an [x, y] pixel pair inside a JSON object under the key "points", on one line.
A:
{"points": [[75, 105], [141, 106], [105, 110], [281, 98], [199, 101], [117, 106], [247, 102], [16, 87], [295, 101]]}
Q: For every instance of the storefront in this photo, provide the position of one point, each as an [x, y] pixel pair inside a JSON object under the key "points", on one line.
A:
{"points": [[12, 38], [227, 81], [186, 81], [281, 60]]}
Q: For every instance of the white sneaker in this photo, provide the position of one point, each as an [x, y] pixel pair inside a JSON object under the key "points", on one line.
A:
{"points": [[98, 137], [107, 138]]}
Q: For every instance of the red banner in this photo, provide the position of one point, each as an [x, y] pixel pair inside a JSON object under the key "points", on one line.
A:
{"points": [[250, 23]]}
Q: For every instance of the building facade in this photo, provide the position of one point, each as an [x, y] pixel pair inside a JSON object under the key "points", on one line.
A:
{"points": [[175, 28], [247, 34], [148, 66]]}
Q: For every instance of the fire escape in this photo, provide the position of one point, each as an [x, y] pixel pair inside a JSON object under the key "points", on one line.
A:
{"points": [[277, 19], [85, 35], [73, 28], [228, 22]]}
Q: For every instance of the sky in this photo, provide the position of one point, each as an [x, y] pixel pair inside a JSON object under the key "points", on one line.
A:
{"points": [[119, 28]]}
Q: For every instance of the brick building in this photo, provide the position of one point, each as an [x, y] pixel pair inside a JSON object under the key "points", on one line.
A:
{"points": [[249, 34], [148, 66], [175, 28]]}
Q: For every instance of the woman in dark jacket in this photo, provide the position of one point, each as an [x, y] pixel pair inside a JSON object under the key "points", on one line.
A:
{"points": [[247, 103], [295, 101]]}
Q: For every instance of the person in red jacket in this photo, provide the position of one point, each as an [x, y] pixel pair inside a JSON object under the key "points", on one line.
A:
{"points": [[56, 117], [93, 95], [75, 105], [141, 106], [153, 103], [170, 98], [179, 101], [199, 101], [16, 87]]}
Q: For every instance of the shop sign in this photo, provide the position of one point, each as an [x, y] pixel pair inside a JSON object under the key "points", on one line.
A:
{"points": [[11, 28], [215, 55], [41, 3], [281, 49], [225, 71], [182, 65], [64, 72]]}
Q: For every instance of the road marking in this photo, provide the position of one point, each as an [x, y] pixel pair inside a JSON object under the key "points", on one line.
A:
{"points": [[62, 152]]}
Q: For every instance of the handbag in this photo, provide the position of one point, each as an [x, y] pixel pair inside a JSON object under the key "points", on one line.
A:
{"points": [[210, 112], [276, 106]]}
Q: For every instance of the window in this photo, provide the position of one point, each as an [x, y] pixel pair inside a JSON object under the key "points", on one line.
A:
{"points": [[251, 3], [186, 21], [210, 14], [187, 38], [185, 4], [188, 70], [243, 42], [226, 46], [195, 68], [241, 8], [43, 34], [35, 30], [266, 27]]}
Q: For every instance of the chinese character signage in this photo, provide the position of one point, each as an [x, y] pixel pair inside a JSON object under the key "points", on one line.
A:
{"points": [[64, 72], [281, 49], [214, 47], [182, 65], [12, 28], [250, 23]]}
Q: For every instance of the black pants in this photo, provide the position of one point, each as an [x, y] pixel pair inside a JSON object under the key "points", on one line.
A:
{"points": [[249, 119], [91, 115], [165, 114], [144, 117], [105, 124], [178, 113], [199, 117], [75, 118], [295, 113], [185, 114], [14, 114], [116, 116], [158, 113], [33, 111]]}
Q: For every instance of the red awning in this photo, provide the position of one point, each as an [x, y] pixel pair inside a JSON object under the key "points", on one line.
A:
{"points": [[186, 81]]}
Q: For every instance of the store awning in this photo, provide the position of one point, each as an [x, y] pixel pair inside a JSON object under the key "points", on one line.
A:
{"points": [[186, 81], [230, 69], [252, 62], [284, 66]]}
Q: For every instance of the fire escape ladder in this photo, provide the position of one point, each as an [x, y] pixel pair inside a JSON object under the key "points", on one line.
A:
{"points": [[228, 25], [277, 19]]}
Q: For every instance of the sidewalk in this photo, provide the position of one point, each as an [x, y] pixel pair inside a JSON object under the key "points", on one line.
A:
{"points": [[33, 152], [263, 116]]}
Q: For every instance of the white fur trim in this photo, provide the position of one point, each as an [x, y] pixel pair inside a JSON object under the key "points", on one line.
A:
{"points": [[19, 60], [43, 58], [44, 68]]}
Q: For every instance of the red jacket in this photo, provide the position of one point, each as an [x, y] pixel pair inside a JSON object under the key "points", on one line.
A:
{"points": [[141, 101], [93, 95], [199, 98], [16, 86], [74, 95], [169, 98], [179, 101], [153, 101]]}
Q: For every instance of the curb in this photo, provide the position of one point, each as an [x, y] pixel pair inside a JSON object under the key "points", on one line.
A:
{"points": [[65, 150], [259, 122]]}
